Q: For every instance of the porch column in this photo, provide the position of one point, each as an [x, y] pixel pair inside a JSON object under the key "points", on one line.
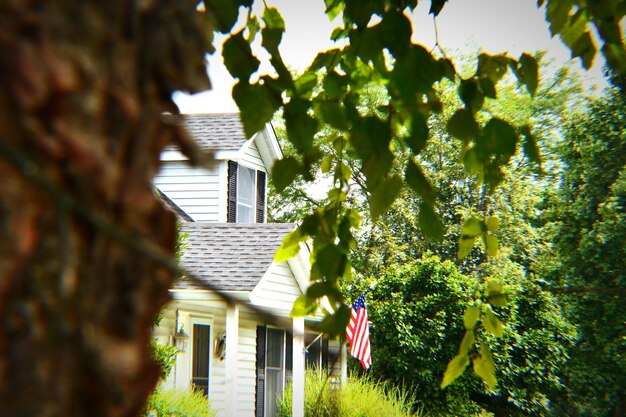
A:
{"points": [[298, 368], [343, 352], [232, 347]]}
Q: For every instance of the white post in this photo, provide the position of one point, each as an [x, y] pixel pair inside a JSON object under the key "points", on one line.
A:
{"points": [[232, 347], [298, 368], [343, 351]]}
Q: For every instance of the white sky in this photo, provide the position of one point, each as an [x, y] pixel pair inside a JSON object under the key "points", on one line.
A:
{"points": [[512, 26]]}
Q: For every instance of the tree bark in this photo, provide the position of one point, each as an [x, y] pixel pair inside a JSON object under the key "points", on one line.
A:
{"points": [[83, 86]]}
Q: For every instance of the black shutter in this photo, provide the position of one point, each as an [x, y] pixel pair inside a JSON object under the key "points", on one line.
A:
{"points": [[288, 357], [232, 192], [260, 371], [260, 197]]}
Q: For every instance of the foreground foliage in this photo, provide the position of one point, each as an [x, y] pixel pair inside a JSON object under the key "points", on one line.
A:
{"points": [[360, 397], [166, 402]]}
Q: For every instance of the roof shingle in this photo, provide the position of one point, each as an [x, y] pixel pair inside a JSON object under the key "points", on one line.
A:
{"points": [[230, 256], [213, 132]]}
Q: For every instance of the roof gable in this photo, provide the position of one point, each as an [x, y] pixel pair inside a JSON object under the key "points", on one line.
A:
{"points": [[223, 135], [230, 256]]}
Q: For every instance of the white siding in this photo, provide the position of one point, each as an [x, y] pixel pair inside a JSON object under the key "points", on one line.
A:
{"points": [[277, 290], [250, 158], [195, 190]]}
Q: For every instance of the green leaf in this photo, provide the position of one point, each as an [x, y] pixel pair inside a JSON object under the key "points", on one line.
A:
{"points": [[415, 178], [327, 164], [529, 73], [430, 222], [331, 262], [335, 325], [473, 227], [273, 19], [303, 306], [335, 85], [498, 300], [487, 87], [466, 244], [257, 106], [500, 138], [333, 8], [447, 69], [492, 223], [301, 127], [395, 32], [467, 343], [492, 324], [418, 134], [484, 366], [384, 195], [333, 113], [252, 26], [462, 125], [436, 6], [471, 94], [455, 368], [284, 172], [585, 49], [470, 317], [225, 11], [492, 245], [320, 289], [493, 287], [238, 57], [305, 83]]}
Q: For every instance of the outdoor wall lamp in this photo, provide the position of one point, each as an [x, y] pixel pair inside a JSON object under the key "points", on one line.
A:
{"points": [[180, 339]]}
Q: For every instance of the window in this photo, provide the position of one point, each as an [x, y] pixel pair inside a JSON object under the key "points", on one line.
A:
{"points": [[274, 365], [246, 194], [275, 369], [246, 187], [201, 351]]}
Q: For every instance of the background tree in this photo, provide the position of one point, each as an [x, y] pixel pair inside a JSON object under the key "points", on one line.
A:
{"points": [[415, 309], [587, 222]]}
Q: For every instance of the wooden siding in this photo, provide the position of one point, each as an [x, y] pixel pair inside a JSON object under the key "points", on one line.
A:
{"points": [[251, 158], [195, 190], [277, 290]]}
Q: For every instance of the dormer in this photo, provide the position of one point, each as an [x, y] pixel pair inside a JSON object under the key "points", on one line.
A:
{"points": [[232, 188]]}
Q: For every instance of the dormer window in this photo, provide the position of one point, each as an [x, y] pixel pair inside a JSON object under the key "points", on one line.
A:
{"points": [[246, 194]]}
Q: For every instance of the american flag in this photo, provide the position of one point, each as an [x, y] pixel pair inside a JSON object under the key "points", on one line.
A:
{"points": [[358, 333]]}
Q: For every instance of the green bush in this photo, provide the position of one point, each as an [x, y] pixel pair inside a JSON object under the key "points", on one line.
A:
{"points": [[362, 397], [178, 403]]}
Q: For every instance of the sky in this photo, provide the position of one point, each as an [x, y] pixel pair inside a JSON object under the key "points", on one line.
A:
{"points": [[496, 26]]}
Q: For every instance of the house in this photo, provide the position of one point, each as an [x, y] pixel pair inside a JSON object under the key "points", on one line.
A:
{"points": [[238, 359]]}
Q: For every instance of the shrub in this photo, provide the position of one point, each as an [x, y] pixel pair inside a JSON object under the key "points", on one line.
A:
{"points": [[178, 403], [360, 397]]}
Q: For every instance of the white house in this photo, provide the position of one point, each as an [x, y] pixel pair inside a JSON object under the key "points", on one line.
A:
{"points": [[238, 359]]}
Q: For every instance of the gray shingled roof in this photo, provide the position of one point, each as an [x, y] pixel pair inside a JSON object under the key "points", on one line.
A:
{"points": [[213, 132], [230, 256]]}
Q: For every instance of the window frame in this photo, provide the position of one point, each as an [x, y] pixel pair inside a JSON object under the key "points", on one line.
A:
{"points": [[203, 321], [253, 205]]}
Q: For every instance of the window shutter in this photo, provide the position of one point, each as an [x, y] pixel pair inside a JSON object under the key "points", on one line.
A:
{"points": [[232, 192], [288, 357], [260, 371], [260, 197]]}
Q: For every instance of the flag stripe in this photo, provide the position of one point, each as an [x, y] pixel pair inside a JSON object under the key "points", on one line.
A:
{"points": [[357, 333]]}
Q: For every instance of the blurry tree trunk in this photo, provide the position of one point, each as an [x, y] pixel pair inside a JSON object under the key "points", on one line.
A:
{"points": [[82, 88]]}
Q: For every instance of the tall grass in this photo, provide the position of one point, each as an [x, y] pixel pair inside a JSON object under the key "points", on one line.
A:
{"points": [[178, 403], [360, 397]]}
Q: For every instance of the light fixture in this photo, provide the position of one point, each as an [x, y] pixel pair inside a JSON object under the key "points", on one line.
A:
{"points": [[180, 339]]}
